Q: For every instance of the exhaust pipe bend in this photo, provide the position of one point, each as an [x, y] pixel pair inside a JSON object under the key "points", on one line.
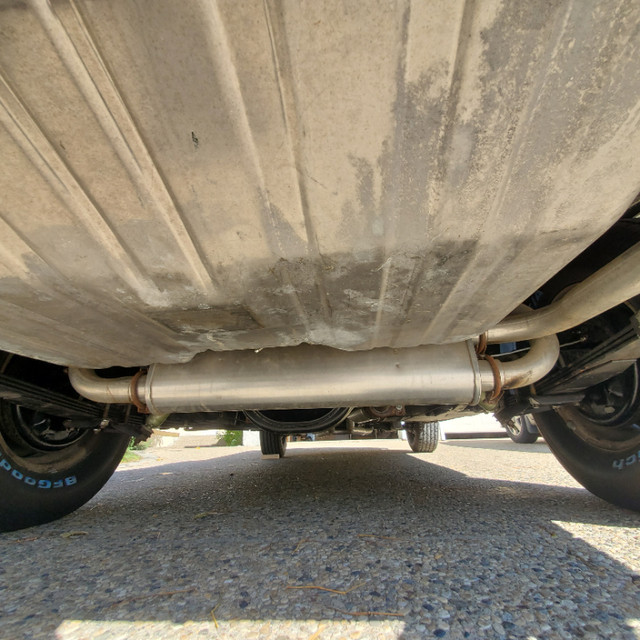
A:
{"points": [[307, 376], [127, 390], [312, 376], [526, 370], [608, 287]]}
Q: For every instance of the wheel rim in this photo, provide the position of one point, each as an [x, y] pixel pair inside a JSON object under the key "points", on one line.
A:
{"points": [[44, 432], [607, 404], [39, 442], [604, 419], [514, 426], [607, 417]]}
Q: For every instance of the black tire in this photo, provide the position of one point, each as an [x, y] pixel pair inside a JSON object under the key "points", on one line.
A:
{"points": [[519, 430], [272, 444], [47, 471], [423, 437], [601, 450]]}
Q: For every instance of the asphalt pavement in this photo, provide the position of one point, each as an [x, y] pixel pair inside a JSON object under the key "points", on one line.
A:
{"points": [[481, 539]]}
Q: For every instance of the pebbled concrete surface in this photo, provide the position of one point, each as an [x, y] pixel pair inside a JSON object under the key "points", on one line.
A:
{"points": [[482, 539]]}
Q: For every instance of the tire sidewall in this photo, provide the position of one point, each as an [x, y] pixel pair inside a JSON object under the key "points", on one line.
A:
{"points": [[611, 475], [41, 493], [423, 437], [524, 436], [272, 443]]}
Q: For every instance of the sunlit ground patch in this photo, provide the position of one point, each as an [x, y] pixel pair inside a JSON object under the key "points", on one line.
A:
{"points": [[307, 629]]}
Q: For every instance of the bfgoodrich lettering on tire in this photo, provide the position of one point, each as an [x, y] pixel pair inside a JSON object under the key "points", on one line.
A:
{"points": [[48, 471]]}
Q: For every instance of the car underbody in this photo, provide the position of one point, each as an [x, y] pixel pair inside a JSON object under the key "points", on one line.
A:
{"points": [[302, 217]]}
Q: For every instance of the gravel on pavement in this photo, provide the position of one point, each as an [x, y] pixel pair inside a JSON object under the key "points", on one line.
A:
{"points": [[359, 539]]}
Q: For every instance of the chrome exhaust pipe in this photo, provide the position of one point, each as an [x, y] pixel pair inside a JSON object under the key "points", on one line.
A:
{"points": [[314, 376], [608, 287], [309, 376]]}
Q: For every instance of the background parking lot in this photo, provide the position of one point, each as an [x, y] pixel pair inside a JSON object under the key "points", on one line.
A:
{"points": [[481, 539]]}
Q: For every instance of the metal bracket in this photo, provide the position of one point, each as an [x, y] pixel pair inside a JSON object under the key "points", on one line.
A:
{"points": [[535, 404]]}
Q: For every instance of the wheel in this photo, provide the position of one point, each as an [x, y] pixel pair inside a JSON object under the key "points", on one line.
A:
{"points": [[423, 437], [47, 470], [272, 443], [519, 430], [598, 441]]}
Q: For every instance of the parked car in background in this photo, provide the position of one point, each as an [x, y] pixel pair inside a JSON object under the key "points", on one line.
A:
{"points": [[523, 429], [291, 215]]}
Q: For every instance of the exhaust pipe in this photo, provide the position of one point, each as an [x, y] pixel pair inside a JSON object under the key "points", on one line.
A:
{"points": [[309, 376], [608, 287]]}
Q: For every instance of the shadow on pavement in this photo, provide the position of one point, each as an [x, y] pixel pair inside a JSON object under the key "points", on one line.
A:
{"points": [[428, 551], [502, 445]]}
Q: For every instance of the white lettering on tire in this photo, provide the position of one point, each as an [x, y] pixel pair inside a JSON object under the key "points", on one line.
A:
{"points": [[69, 481], [626, 462]]}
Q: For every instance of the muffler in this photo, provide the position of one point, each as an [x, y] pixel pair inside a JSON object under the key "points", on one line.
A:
{"points": [[309, 376]]}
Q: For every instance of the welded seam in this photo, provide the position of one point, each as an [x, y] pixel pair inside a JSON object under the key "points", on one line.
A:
{"points": [[36, 145], [442, 162], [236, 106], [453, 98], [105, 101], [286, 87], [624, 131], [524, 123], [470, 271], [65, 289], [297, 303], [13, 342], [389, 196], [56, 327]]}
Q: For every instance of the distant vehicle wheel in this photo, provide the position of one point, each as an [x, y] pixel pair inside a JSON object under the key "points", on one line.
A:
{"points": [[273, 443], [598, 441], [423, 437], [47, 470], [519, 430]]}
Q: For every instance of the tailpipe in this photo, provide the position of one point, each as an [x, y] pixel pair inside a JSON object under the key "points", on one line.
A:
{"points": [[608, 287]]}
